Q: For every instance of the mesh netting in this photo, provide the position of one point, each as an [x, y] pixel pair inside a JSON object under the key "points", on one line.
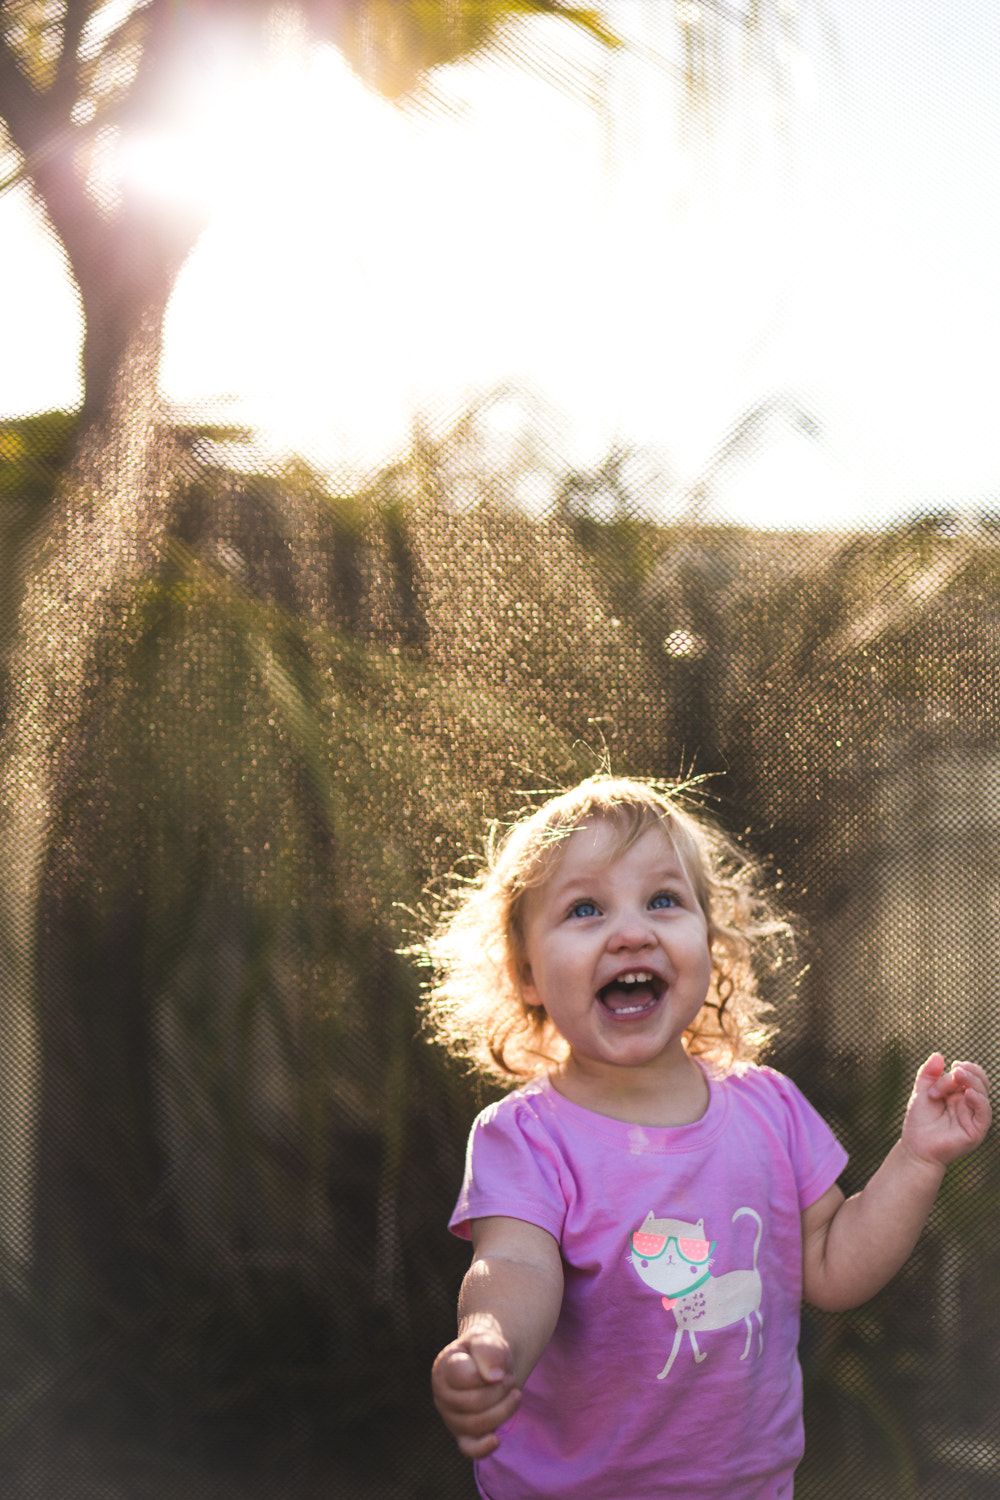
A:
{"points": [[255, 710]]}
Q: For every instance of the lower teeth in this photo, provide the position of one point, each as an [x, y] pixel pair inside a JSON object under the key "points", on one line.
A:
{"points": [[633, 1010]]}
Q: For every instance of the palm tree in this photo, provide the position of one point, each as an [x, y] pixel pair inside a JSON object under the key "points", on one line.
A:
{"points": [[73, 78]]}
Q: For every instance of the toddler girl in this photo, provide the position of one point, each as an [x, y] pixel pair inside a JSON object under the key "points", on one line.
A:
{"points": [[649, 1208]]}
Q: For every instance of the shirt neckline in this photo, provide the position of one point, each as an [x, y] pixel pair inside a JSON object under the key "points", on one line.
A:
{"points": [[657, 1139]]}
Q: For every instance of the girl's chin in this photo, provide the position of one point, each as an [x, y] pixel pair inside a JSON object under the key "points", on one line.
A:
{"points": [[626, 1057]]}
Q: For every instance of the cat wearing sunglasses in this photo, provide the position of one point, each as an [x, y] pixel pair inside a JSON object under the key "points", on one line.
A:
{"points": [[675, 1258]]}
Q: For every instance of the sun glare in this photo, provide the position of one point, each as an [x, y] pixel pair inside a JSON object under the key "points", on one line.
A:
{"points": [[208, 149], [365, 264], [550, 229], [400, 254]]}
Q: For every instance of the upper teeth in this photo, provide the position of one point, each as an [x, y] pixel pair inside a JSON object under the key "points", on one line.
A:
{"points": [[638, 976]]}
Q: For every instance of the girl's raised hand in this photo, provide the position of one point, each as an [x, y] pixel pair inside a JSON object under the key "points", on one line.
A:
{"points": [[473, 1385], [949, 1111]]}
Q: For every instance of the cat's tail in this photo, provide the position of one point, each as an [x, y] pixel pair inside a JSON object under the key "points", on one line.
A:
{"points": [[760, 1228]]}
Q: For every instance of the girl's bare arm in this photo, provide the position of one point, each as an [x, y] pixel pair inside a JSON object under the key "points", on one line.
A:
{"points": [[851, 1249], [507, 1309]]}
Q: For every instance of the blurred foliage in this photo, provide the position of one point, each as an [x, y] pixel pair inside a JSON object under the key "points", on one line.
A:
{"points": [[246, 1157], [33, 451], [294, 722]]}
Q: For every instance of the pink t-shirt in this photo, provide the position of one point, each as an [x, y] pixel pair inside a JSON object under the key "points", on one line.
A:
{"points": [[672, 1372]]}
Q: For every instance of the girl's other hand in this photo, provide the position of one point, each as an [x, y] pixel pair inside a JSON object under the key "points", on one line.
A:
{"points": [[473, 1385], [949, 1111]]}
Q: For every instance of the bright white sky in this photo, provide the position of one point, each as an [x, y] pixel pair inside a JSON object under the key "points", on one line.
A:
{"points": [[362, 264]]}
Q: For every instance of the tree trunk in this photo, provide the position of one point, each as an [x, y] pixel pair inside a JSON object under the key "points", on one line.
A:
{"points": [[108, 520], [125, 269], [124, 249]]}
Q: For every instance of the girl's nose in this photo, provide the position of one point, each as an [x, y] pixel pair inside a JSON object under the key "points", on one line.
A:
{"points": [[631, 929]]}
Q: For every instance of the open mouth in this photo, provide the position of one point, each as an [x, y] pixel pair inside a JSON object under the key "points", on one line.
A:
{"points": [[631, 994]]}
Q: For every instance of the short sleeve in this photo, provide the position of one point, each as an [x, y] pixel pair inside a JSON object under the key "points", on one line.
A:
{"points": [[513, 1168], [817, 1156]]}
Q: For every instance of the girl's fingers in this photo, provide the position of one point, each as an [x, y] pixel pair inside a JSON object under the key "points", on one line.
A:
{"points": [[972, 1075], [976, 1101], [478, 1447], [473, 1403], [960, 1077], [460, 1370], [474, 1430], [931, 1077], [491, 1356], [474, 1361], [964, 1092]]}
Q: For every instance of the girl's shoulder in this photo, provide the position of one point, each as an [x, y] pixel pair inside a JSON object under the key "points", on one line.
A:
{"points": [[784, 1112], [515, 1165], [752, 1077], [765, 1087], [529, 1098]]}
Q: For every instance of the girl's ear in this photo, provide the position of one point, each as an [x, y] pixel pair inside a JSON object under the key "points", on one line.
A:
{"points": [[530, 998]]}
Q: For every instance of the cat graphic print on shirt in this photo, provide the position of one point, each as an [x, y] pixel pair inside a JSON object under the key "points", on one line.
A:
{"points": [[674, 1258]]}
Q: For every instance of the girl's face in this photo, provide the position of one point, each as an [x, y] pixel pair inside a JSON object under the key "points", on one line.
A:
{"points": [[616, 949]]}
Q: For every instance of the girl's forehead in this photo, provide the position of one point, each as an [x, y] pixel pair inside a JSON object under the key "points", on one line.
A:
{"points": [[598, 847]]}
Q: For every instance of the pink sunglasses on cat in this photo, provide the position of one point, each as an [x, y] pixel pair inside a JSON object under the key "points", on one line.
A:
{"points": [[651, 1246]]}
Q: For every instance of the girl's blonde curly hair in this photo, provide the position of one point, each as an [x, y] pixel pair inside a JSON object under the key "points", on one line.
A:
{"points": [[475, 1006]]}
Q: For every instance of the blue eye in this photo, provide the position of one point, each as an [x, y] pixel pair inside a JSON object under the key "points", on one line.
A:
{"points": [[583, 909], [663, 900]]}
